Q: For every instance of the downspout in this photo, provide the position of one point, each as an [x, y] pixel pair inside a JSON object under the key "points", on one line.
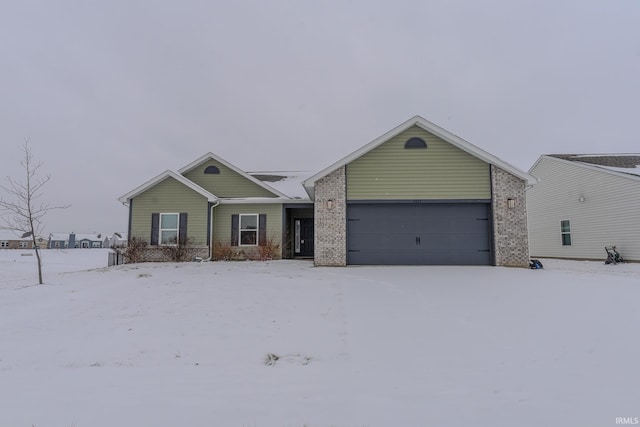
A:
{"points": [[211, 231]]}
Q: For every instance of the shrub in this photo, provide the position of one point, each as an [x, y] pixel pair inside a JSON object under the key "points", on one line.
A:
{"points": [[133, 251], [223, 252], [268, 251], [180, 251]]}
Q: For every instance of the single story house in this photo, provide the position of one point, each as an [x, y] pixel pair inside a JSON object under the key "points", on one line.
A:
{"points": [[583, 203], [415, 195], [115, 240], [10, 239], [75, 240]]}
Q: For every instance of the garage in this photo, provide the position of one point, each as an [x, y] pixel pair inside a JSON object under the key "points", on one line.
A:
{"points": [[419, 233]]}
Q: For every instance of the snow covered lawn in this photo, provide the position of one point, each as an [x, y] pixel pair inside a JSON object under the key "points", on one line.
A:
{"points": [[289, 345]]}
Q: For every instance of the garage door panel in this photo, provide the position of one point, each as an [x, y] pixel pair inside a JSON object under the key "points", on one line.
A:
{"points": [[420, 233], [393, 241]]}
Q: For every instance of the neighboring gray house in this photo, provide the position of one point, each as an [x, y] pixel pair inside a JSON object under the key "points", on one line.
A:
{"points": [[583, 203], [75, 240], [58, 241]]}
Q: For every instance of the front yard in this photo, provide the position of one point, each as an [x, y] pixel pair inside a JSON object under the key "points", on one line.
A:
{"points": [[286, 344]]}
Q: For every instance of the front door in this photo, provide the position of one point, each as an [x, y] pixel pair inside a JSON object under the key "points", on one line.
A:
{"points": [[303, 237]]}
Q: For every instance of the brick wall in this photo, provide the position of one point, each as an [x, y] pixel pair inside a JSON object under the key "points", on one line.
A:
{"points": [[159, 254], [331, 219], [511, 238]]}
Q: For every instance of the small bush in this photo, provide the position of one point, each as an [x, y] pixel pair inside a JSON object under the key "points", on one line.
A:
{"points": [[180, 251], [268, 251], [133, 251], [223, 252]]}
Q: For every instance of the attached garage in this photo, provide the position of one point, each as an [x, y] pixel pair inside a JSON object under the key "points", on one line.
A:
{"points": [[419, 233], [419, 195]]}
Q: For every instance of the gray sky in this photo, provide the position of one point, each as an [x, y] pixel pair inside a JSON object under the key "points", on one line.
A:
{"points": [[114, 92]]}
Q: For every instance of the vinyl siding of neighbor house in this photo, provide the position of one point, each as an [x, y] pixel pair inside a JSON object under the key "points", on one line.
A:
{"points": [[222, 220], [607, 216], [442, 171], [227, 183], [170, 196]]}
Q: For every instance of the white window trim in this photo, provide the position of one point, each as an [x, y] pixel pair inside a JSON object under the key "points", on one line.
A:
{"points": [[4, 244], [160, 229], [240, 229]]}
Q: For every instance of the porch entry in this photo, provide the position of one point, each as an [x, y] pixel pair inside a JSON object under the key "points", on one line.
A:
{"points": [[303, 237]]}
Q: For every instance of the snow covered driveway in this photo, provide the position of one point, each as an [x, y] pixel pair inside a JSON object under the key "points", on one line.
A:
{"points": [[286, 344]]}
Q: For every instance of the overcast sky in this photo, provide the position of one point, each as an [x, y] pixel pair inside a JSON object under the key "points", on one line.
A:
{"points": [[114, 92]]}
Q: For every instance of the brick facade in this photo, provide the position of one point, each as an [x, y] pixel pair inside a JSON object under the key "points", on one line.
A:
{"points": [[510, 234], [160, 254], [331, 219]]}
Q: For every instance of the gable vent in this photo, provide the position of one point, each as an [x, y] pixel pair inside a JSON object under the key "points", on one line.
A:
{"points": [[415, 143], [212, 170]]}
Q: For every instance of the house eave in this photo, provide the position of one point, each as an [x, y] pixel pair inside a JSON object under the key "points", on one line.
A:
{"points": [[262, 200], [586, 166], [159, 178]]}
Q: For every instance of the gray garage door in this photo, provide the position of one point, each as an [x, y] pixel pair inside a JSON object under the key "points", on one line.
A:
{"points": [[419, 234]]}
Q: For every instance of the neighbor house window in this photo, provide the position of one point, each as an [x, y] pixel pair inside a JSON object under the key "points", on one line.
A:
{"points": [[248, 229], [95, 244], [4, 244], [169, 228], [24, 244], [565, 230], [56, 244]]}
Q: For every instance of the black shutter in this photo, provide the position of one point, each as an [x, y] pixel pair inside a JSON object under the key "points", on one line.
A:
{"points": [[182, 232], [262, 229], [235, 229], [155, 228]]}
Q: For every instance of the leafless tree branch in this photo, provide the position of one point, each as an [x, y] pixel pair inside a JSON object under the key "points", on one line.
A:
{"points": [[18, 208]]}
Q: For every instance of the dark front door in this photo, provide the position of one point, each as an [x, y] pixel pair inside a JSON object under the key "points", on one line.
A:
{"points": [[303, 237]]}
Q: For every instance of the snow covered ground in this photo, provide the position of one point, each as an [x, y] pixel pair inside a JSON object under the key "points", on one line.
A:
{"points": [[289, 345]]}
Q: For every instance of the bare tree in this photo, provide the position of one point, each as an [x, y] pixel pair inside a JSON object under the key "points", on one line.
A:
{"points": [[22, 212]]}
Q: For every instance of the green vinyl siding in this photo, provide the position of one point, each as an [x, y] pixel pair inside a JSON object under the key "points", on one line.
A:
{"points": [[222, 220], [170, 196], [441, 171], [226, 184]]}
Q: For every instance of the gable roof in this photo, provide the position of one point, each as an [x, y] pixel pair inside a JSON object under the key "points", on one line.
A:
{"points": [[211, 156], [623, 165], [94, 237], [6, 234], [164, 175], [433, 129]]}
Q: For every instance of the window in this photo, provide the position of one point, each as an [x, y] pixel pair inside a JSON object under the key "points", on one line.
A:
{"points": [[248, 229], [56, 244], [24, 244], [565, 230], [168, 228], [95, 244], [415, 143], [4, 244], [212, 170]]}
